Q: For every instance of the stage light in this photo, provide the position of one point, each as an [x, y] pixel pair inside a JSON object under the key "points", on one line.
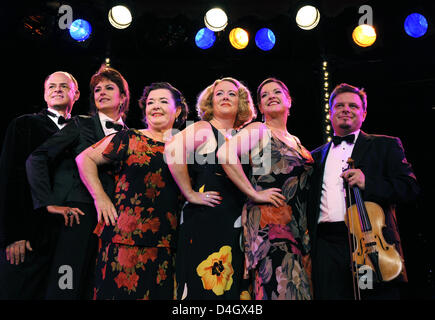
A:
{"points": [[120, 17], [415, 25], [216, 19], [205, 38], [265, 39], [308, 17], [80, 30], [239, 38], [364, 35]]}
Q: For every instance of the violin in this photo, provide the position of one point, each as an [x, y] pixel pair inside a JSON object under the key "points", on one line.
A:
{"points": [[365, 221]]}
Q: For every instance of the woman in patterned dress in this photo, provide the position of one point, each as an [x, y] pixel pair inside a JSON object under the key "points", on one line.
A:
{"points": [[209, 257], [137, 225], [274, 219]]}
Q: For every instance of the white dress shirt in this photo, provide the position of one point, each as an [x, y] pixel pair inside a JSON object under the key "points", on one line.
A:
{"points": [[104, 118], [55, 118], [332, 200]]}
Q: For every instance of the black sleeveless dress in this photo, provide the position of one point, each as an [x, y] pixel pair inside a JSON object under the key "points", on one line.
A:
{"points": [[209, 262]]}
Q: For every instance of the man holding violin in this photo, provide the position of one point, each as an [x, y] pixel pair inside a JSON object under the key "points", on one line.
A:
{"points": [[382, 175]]}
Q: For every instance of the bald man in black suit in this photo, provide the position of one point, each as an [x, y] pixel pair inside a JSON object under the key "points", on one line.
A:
{"points": [[26, 237]]}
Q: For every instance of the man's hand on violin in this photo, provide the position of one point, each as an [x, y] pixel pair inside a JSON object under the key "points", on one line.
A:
{"points": [[354, 177]]}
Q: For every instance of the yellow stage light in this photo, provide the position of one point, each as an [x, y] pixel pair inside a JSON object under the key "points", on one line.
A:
{"points": [[364, 35], [239, 38]]}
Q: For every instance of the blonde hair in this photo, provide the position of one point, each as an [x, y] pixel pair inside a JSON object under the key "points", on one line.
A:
{"points": [[245, 110]]}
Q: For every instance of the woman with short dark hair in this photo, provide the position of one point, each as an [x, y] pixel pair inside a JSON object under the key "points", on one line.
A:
{"points": [[137, 224]]}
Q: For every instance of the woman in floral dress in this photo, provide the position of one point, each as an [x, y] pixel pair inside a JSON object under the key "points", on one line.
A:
{"points": [[137, 224], [274, 219]]}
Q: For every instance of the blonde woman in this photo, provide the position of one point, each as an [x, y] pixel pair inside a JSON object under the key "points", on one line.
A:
{"points": [[209, 258]]}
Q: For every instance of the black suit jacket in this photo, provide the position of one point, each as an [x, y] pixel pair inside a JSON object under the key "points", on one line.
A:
{"points": [[65, 185], [389, 180], [17, 219]]}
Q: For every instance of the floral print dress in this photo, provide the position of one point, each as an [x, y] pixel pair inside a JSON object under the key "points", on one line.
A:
{"points": [[276, 239], [136, 256]]}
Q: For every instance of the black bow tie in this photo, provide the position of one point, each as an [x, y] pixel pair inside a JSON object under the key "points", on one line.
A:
{"points": [[113, 125], [60, 120], [336, 140]]}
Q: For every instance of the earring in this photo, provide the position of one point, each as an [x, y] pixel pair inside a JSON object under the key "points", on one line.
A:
{"points": [[262, 117]]}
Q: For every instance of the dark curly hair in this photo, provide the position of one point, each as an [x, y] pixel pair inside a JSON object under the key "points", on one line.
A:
{"points": [[178, 97]]}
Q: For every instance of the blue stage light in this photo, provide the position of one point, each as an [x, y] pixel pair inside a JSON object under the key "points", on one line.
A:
{"points": [[265, 39], [415, 25], [80, 30], [205, 38]]}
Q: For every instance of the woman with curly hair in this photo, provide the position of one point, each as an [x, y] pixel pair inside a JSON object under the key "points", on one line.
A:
{"points": [[209, 258], [137, 224]]}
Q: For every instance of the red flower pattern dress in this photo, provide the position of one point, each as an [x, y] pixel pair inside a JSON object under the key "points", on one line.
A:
{"points": [[136, 256]]}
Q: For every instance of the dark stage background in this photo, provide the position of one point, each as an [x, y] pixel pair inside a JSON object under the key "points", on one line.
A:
{"points": [[398, 73]]}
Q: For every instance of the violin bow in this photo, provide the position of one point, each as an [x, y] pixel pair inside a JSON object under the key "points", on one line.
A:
{"points": [[354, 266]]}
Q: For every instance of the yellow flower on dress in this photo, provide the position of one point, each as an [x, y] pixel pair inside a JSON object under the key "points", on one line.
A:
{"points": [[245, 295], [216, 271]]}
